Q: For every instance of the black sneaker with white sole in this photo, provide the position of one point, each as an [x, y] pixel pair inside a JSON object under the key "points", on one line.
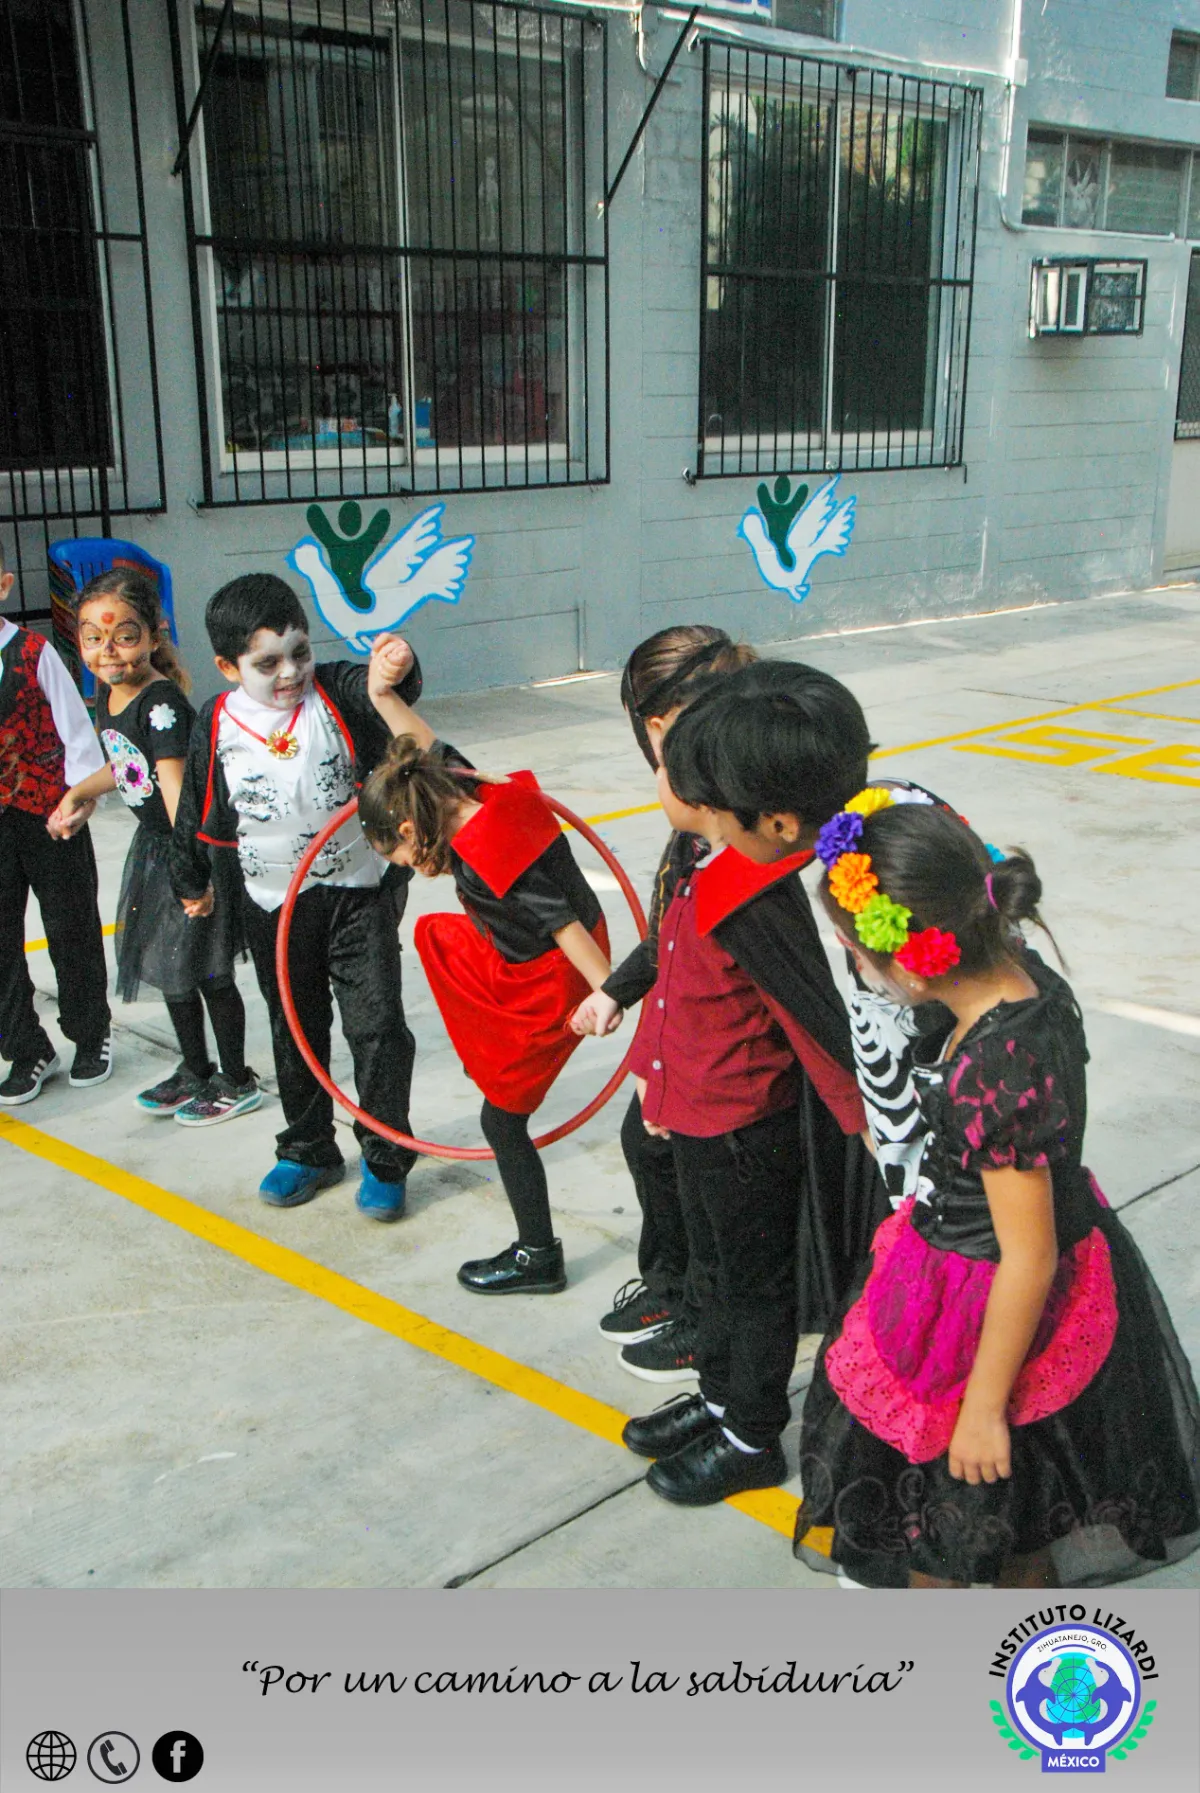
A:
{"points": [[670, 1356], [92, 1064], [26, 1078], [635, 1314]]}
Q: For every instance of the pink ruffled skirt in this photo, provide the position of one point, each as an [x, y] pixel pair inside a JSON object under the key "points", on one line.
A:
{"points": [[901, 1363]]}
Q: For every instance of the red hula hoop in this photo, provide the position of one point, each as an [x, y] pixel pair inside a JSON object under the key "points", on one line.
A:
{"points": [[429, 1148]]}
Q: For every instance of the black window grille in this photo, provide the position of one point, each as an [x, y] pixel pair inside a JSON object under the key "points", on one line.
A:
{"points": [[400, 271], [836, 265], [80, 431], [1187, 410]]}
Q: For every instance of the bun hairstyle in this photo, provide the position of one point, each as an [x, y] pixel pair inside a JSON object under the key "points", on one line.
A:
{"points": [[409, 786], [671, 668], [139, 591], [933, 864]]}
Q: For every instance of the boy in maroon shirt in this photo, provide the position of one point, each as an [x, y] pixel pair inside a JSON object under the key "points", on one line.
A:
{"points": [[743, 1058]]}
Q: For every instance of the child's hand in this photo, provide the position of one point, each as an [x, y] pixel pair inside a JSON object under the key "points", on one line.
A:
{"points": [[597, 1014], [980, 1450], [655, 1132], [197, 907], [391, 661], [72, 814]]}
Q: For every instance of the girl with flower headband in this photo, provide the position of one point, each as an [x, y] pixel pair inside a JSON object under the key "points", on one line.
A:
{"points": [[144, 721], [1004, 1400]]}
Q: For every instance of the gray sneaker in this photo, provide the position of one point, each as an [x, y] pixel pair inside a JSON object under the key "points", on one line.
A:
{"points": [[221, 1099]]}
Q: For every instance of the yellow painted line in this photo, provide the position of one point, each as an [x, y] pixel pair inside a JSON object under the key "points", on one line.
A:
{"points": [[993, 728], [772, 1507], [1148, 715], [39, 946]]}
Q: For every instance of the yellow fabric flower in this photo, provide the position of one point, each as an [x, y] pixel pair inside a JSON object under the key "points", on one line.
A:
{"points": [[869, 801], [852, 883]]}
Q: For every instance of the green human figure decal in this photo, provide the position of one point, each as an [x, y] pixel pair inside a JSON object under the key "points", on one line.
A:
{"points": [[350, 551], [779, 513]]}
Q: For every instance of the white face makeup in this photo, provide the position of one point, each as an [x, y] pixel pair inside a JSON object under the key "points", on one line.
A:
{"points": [[277, 670]]}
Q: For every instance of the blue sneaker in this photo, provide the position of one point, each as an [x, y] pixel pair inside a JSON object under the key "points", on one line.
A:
{"points": [[290, 1184], [380, 1200]]}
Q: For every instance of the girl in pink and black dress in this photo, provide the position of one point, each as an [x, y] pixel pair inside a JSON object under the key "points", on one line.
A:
{"points": [[1005, 1400]]}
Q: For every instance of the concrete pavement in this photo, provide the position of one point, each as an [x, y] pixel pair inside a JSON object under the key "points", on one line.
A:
{"points": [[187, 1405]]}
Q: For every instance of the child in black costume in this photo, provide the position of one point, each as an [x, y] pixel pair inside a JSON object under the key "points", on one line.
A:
{"points": [[653, 1317], [508, 974], [269, 763], [46, 744], [144, 720], [745, 1049], [1004, 1399]]}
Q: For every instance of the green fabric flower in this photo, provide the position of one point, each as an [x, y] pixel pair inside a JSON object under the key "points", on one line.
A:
{"points": [[883, 925]]}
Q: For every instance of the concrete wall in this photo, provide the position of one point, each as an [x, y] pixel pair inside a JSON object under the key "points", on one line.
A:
{"points": [[1068, 445]]}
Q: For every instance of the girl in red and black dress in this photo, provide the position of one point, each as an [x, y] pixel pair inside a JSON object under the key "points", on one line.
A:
{"points": [[507, 975]]}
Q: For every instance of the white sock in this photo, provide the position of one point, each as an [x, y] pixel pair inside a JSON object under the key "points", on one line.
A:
{"points": [[717, 1412], [751, 1450]]}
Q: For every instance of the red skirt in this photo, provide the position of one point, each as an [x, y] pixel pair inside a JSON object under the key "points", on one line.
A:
{"points": [[508, 1023]]}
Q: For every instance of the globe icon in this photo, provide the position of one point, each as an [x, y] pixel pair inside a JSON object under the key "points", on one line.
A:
{"points": [[1073, 1691], [51, 1756]]}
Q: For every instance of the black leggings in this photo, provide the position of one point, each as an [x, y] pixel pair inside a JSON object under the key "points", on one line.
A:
{"points": [[521, 1172], [228, 1017]]}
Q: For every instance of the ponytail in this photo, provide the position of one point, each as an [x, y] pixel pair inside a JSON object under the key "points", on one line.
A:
{"points": [[409, 786], [136, 588]]}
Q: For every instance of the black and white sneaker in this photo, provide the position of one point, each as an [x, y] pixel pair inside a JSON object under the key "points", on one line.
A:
{"points": [[670, 1356], [635, 1314], [93, 1064], [26, 1078]]}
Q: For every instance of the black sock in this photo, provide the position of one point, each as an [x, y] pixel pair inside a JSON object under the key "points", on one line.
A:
{"points": [[187, 1018], [521, 1172], [227, 1013]]}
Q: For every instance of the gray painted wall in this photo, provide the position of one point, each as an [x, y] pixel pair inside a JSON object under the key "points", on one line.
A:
{"points": [[1068, 444]]}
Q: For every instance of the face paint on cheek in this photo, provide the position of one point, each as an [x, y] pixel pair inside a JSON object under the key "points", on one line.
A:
{"points": [[285, 680]]}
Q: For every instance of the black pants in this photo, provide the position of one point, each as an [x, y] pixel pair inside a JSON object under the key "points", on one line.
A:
{"points": [[740, 1196], [62, 876], [343, 944], [663, 1246]]}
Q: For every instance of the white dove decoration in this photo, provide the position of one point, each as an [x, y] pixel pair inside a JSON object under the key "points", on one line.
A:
{"points": [[414, 569], [823, 525]]}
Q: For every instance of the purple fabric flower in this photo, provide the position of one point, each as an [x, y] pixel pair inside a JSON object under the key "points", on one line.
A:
{"points": [[841, 835]]}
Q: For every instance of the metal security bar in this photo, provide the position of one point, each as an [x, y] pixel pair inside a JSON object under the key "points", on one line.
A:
{"points": [[80, 429], [399, 265], [837, 264], [1187, 410]]}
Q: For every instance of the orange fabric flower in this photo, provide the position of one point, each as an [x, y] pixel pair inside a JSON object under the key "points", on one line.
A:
{"points": [[852, 883]]}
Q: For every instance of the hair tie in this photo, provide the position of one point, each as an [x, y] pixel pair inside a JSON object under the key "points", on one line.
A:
{"points": [[991, 895]]}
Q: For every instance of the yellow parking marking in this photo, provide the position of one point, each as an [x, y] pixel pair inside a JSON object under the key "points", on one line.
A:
{"points": [[1138, 765], [994, 728], [39, 946], [772, 1507], [1060, 746], [1149, 715]]}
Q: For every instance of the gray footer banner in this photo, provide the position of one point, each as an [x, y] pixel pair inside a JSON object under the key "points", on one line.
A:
{"points": [[248, 1692]]}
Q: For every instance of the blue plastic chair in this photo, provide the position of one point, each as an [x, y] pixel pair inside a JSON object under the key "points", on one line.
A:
{"points": [[72, 564]]}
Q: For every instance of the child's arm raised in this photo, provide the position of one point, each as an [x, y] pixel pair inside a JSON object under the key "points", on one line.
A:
{"points": [[1022, 1207], [391, 662]]}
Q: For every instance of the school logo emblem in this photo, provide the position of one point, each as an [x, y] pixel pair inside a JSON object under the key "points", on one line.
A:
{"points": [[1073, 1695], [363, 589], [788, 532]]}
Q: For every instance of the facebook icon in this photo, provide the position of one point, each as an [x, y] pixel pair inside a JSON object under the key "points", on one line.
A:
{"points": [[177, 1756]]}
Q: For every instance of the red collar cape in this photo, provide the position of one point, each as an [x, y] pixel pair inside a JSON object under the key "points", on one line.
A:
{"points": [[513, 829], [732, 880]]}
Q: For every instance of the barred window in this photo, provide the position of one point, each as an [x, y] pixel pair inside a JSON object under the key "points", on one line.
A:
{"points": [[1187, 413], [400, 268], [80, 435], [837, 265]]}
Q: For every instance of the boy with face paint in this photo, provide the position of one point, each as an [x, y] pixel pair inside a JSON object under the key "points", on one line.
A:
{"points": [[270, 760]]}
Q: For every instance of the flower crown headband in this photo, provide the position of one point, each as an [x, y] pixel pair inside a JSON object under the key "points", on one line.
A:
{"points": [[880, 924]]}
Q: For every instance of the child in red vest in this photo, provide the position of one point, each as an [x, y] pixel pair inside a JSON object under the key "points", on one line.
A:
{"points": [[46, 744]]}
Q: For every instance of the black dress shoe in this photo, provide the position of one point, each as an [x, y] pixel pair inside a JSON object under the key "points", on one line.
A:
{"points": [[670, 1427], [710, 1469], [521, 1270]]}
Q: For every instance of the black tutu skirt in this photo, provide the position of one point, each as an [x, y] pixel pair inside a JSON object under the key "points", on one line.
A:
{"points": [[156, 943], [1109, 1485]]}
